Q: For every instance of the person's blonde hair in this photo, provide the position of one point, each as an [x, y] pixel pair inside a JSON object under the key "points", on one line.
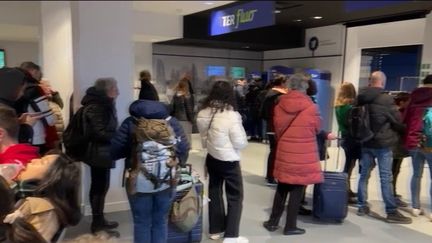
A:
{"points": [[346, 94], [183, 86]]}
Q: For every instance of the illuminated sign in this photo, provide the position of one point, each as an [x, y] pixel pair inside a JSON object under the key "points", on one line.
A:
{"points": [[242, 17]]}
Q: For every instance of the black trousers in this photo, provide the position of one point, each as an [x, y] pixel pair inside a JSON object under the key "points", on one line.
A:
{"points": [[100, 182], [296, 194], [227, 172], [271, 157], [395, 170], [352, 153]]}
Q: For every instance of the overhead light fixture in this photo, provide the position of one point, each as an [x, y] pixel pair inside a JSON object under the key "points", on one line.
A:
{"points": [[297, 20], [317, 17], [209, 3], [247, 47], [277, 11]]}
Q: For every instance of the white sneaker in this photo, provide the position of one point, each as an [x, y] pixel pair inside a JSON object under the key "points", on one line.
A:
{"points": [[239, 239], [416, 212], [216, 236]]}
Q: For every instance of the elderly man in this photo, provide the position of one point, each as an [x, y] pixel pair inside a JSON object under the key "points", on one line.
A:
{"points": [[385, 123]]}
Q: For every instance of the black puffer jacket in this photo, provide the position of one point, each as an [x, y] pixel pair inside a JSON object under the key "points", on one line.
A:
{"points": [[101, 120], [182, 108], [384, 117]]}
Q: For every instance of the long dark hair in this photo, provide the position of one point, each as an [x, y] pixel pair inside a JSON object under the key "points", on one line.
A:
{"points": [[221, 97], [61, 187], [19, 231]]}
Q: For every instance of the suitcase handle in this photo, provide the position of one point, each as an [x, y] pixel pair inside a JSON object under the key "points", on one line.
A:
{"points": [[338, 140]]}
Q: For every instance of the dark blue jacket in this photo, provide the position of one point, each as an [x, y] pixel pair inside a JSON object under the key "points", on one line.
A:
{"points": [[121, 143]]}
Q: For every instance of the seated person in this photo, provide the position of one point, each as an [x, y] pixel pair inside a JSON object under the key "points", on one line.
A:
{"points": [[13, 156], [54, 203]]}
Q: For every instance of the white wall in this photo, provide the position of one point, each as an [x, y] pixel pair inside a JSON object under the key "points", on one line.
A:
{"points": [[57, 66], [409, 32], [18, 52]]}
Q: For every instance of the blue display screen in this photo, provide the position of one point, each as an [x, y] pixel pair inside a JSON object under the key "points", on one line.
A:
{"points": [[242, 17], [215, 71], [2, 58]]}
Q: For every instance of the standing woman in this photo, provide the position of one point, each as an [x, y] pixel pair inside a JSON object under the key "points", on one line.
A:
{"points": [[100, 115], [222, 133], [296, 124], [345, 99], [182, 107]]}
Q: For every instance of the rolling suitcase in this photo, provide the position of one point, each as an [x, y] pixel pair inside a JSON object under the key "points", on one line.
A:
{"points": [[330, 198], [193, 236]]}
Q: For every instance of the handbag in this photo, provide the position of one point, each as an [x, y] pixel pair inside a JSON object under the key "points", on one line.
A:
{"points": [[186, 211]]}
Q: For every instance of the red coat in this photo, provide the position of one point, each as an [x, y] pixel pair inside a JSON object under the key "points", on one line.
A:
{"points": [[421, 98], [297, 158], [19, 154]]}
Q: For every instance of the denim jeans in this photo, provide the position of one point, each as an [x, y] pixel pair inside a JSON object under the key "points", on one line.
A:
{"points": [[150, 216], [385, 160], [418, 159]]}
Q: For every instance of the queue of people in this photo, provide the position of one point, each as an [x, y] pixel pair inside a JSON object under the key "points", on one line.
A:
{"points": [[35, 171]]}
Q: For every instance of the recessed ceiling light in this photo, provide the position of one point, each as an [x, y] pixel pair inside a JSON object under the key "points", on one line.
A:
{"points": [[209, 3], [246, 47], [277, 11], [297, 20], [317, 17]]}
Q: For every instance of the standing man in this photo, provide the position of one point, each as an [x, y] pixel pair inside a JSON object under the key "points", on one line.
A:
{"points": [[385, 123]]}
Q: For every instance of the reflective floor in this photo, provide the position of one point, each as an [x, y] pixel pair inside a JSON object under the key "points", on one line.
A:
{"points": [[258, 199]]}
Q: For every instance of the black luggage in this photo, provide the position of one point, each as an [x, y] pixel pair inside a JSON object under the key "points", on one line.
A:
{"points": [[193, 236], [330, 198]]}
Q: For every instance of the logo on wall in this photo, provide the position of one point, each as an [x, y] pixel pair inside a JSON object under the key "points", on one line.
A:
{"points": [[251, 15], [313, 44]]}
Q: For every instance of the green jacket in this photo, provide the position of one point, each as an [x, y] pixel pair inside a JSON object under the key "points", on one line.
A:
{"points": [[341, 117]]}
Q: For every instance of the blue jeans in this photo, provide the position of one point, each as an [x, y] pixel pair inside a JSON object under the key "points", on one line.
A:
{"points": [[150, 216], [418, 159], [385, 161]]}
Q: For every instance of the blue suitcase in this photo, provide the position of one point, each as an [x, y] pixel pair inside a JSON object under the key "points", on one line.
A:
{"points": [[193, 236], [330, 198]]}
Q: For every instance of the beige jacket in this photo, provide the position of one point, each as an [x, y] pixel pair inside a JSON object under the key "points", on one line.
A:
{"points": [[59, 123], [40, 213]]}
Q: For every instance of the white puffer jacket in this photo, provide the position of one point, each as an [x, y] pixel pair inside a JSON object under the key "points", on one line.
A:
{"points": [[226, 136]]}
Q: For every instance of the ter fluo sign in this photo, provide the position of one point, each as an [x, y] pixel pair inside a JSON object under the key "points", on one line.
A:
{"points": [[242, 17]]}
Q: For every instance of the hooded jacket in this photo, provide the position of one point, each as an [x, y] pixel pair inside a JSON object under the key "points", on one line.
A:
{"points": [[268, 104], [11, 80], [297, 123], [385, 119], [101, 117], [19, 154], [121, 143], [421, 98]]}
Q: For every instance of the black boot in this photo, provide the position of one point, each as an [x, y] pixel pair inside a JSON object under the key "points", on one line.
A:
{"points": [[99, 222]]}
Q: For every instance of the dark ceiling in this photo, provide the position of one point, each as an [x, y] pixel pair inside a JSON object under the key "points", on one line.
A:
{"points": [[289, 31]]}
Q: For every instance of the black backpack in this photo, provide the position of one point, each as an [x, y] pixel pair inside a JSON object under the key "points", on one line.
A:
{"points": [[75, 137], [358, 121]]}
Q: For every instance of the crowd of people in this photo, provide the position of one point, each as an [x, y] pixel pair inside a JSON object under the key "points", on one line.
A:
{"points": [[40, 183]]}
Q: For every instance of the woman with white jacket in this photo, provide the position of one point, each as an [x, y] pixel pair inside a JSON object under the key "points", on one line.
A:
{"points": [[222, 133]]}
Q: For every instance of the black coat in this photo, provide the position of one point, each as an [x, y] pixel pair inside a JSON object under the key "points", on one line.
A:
{"points": [[101, 124], [182, 108], [148, 91], [385, 118]]}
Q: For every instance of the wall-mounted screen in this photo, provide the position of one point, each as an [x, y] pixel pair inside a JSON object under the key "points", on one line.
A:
{"points": [[2, 58], [237, 72], [216, 71]]}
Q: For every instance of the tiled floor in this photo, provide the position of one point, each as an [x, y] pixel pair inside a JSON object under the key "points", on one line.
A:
{"points": [[258, 199]]}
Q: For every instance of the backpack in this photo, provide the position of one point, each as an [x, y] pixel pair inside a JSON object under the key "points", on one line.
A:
{"points": [[427, 129], [153, 155], [75, 137], [358, 121]]}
